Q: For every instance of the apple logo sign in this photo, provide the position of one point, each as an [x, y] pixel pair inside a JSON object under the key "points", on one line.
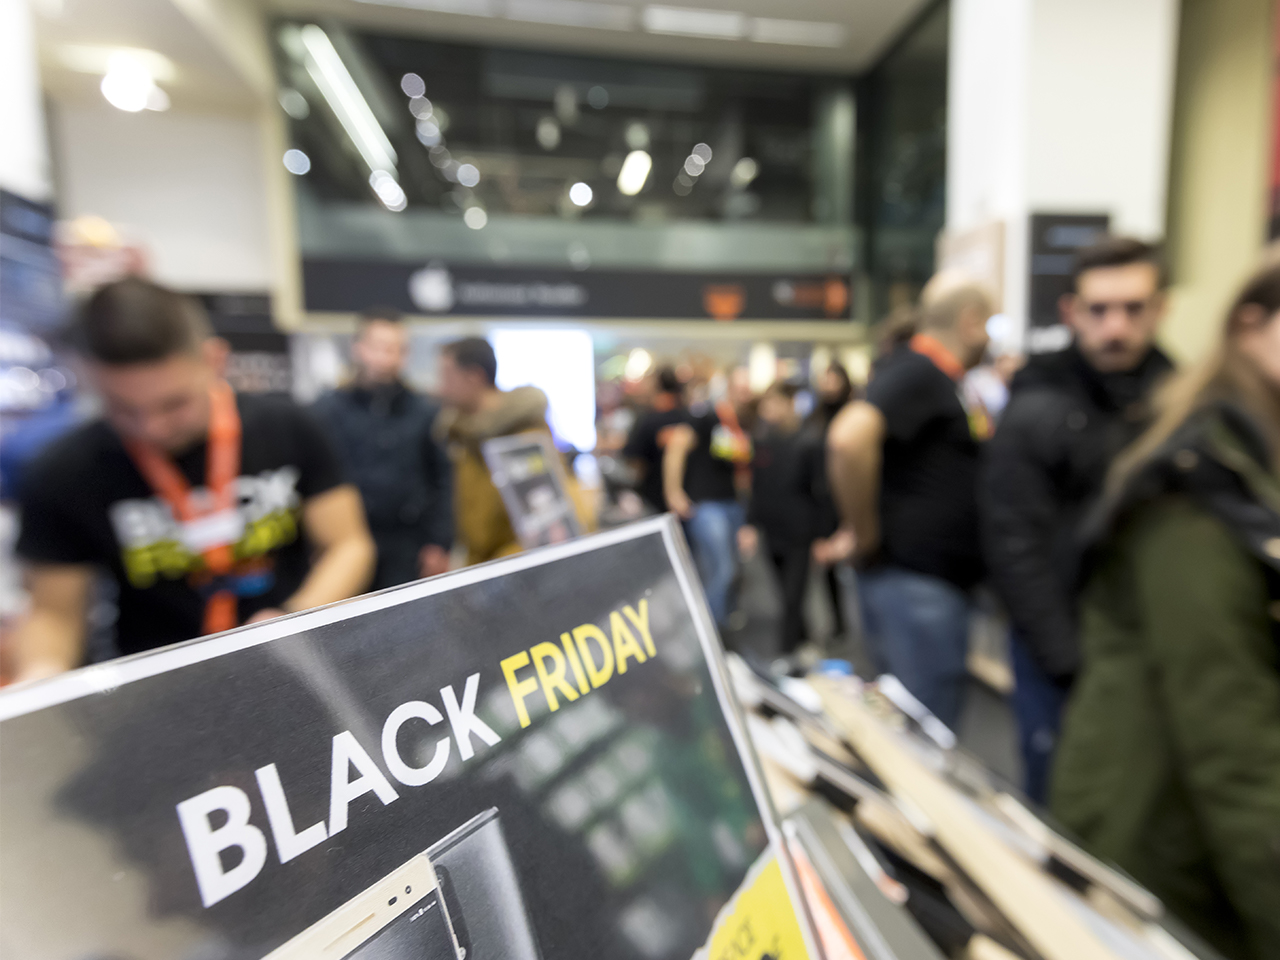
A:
{"points": [[431, 288]]}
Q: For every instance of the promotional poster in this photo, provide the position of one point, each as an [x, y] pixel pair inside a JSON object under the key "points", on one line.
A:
{"points": [[536, 758], [526, 469]]}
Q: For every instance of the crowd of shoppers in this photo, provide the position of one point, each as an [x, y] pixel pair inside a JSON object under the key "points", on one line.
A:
{"points": [[1128, 517]]}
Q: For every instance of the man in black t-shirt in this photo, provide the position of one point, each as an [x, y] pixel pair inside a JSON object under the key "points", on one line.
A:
{"points": [[698, 468], [904, 466], [208, 509], [650, 434]]}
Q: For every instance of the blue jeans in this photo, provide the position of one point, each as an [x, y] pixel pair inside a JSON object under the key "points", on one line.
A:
{"points": [[1037, 704], [713, 535], [918, 628]]}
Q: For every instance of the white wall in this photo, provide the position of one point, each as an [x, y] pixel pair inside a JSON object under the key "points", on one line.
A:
{"points": [[24, 157], [190, 186], [1102, 78], [1058, 106]]}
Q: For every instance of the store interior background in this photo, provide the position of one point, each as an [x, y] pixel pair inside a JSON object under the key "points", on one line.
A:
{"points": [[885, 138]]}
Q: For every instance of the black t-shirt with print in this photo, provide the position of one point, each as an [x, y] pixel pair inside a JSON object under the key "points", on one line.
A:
{"points": [[706, 476], [645, 444], [84, 502], [928, 480]]}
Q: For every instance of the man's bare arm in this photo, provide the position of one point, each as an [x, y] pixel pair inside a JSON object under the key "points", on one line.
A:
{"points": [[674, 457], [854, 447], [50, 639], [335, 526]]}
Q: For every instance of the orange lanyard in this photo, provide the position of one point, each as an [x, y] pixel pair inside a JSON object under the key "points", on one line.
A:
{"points": [[980, 425], [942, 358], [221, 470]]}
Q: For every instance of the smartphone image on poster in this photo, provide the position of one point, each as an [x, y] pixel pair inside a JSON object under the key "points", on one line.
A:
{"points": [[401, 917], [481, 891]]}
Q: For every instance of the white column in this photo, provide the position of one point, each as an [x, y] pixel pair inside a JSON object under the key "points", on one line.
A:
{"points": [[1058, 106], [24, 153]]}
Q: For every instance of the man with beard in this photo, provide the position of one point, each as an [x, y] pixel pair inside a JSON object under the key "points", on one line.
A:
{"points": [[1069, 414], [383, 433]]}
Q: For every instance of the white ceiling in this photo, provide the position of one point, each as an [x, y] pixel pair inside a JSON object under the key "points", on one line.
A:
{"points": [[863, 28], [203, 76], [206, 77]]}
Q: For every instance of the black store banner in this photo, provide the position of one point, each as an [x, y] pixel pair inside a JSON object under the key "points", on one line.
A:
{"points": [[441, 289], [538, 757]]}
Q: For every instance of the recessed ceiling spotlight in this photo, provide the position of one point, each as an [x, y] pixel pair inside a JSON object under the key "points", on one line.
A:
{"points": [[297, 162], [413, 85], [744, 171], [581, 194]]}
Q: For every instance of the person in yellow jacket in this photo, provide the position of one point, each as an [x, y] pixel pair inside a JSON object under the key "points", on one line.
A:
{"points": [[477, 411]]}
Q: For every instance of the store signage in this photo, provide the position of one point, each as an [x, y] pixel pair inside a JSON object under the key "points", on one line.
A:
{"points": [[538, 757], [441, 289]]}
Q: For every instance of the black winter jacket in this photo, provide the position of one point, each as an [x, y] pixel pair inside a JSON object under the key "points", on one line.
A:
{"points": [[1042, 472], [383, 436]]}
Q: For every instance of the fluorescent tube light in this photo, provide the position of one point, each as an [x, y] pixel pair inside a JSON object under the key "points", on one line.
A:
{"points": [[634, 172], [572, 13], [797, 33], [471, 8], [695, 22], [345, 99]]}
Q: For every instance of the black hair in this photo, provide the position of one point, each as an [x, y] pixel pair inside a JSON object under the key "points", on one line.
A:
{"points": [[474, 353], [1113, 251], [668, 382], [377, 314], [136, 321]]}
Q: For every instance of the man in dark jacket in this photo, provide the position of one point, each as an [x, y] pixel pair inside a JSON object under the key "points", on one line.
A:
{"points": [[1069, 414], [382, 430]]}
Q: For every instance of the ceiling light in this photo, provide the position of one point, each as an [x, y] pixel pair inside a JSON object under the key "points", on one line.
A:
{"points": [[548, 133], [390, 193], [428, 133], [799, 33], [297, 162], [475, 218], [294, 104], [694, 165], [90, 58], [157, 99], [695, 22], [468, 175], [128, 84], [572, 13], [682, 186], [344, 98], [702, 152], [420, 107], [474, 8], [581, 194], [637, 135], [634, 172], [412, 85], [744, 171]]}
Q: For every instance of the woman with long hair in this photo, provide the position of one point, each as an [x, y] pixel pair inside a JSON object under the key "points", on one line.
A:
{"points": [[1169, 763]]}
